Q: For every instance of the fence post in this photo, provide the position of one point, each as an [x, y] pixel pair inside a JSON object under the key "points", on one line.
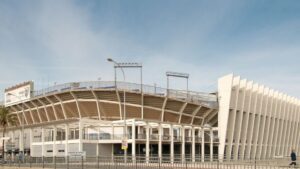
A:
{"points": [[135, 163], [82, 162], [67, 162], [255, 163], [114, 162], [186, 166], [43, 161], [54, 162], [30, 161], [98, 162], [159, 162], [19, 162]]}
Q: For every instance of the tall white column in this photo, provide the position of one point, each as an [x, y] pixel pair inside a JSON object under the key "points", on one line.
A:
{"points": [[13, 141], [211, 144], [21, 141], [54, 140], [193, 144], [160, 141], [113, 132], [172, 143], [67, 130], [43, 141], [202, 146], [30, 139], [147, 142], [183, 143], [80, 135], [133, 147]]}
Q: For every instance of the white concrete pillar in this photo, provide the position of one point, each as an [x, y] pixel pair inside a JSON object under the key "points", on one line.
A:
{"points": [[147, 142], [80, 126], [202, 146], [54, 140], [160, 133], [113, 132], [67, 130], [193, 144], [138, 130], [13, 141], [133, 147], [183, 143], [43, 141], [30, 139], [21, 139], [211, 144], [172, 143]]}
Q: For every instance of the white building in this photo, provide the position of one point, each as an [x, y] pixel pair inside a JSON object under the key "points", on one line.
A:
{"points": [[242, 120]]}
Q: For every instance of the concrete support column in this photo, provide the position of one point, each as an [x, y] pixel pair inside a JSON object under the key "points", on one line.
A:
{"points": [[183, 143], [113, 131], [202, 146], [80, 126], [147, 142], [172, 143], [199, 136], [30, 139], [211, 144], [160, 133], [138, 131], [193, 144], [21, 141], [67, 130], [54, 140], [43, 141], [13, 141], [133, 147], [112, 137]]}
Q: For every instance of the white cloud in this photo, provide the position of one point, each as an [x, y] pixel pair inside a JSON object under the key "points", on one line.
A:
{"points": [[56, 42]]}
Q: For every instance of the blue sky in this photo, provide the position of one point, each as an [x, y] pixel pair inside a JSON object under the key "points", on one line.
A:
{"points": [[63, 41]]}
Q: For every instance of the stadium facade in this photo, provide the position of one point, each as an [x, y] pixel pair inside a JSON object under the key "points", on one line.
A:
{"points": [[241, 120]]}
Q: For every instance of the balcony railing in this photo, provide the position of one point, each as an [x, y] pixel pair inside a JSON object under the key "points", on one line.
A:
{"points": [[209, 100]]}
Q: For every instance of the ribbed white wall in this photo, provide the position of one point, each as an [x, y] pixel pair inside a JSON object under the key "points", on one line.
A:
{"points": [[256, 121]]}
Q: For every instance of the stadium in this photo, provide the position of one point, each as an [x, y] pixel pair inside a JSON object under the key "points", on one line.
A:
{"points": [[241, 120]]}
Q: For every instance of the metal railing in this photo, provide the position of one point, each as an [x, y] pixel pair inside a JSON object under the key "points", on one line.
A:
{"points": [[191, 96], [138, 162], [108, 136]]}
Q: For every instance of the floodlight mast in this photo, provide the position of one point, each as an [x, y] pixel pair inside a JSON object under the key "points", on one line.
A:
{"points": [[180, 75]]}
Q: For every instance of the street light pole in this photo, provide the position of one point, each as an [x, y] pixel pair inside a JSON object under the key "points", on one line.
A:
{"points": [[22, 124], [124, 109], [128, 65]]}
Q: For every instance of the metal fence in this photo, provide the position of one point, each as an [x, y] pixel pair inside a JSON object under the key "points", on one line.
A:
{"points": [[120, 162], [208, 99]]}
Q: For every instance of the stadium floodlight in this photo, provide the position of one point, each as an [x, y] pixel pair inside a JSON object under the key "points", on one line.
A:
{"points": [[22, 123], [129, 65], [177, 74], [180, 75]]}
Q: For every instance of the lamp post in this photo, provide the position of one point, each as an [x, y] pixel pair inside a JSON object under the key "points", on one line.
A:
{"points": [[22, 124], [121, 66], [124, 141]]}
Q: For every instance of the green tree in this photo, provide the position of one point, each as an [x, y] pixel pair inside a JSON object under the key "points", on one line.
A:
{"points": [[5, 119]]}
